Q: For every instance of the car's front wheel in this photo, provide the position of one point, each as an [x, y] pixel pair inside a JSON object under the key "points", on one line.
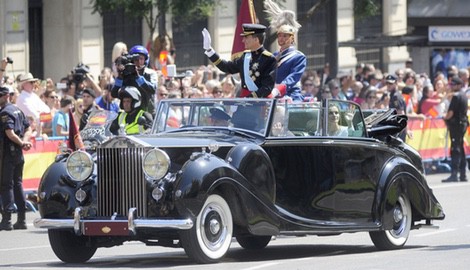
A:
{"points": [[398, 235], [209, 239], [69, 247], [253, 242]]}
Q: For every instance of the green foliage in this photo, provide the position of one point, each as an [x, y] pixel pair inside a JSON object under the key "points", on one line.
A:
{"points": [[366, 8], [132, 8], [142, 8], [186, 11]]}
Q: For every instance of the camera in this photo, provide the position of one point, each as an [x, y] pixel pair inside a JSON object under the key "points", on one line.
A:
{"points": [[9, 60], [79, 72], [125, 64]]}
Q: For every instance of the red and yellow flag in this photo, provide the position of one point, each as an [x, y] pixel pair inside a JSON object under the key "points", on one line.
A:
{"points": [[75, 140], [246, 15]]}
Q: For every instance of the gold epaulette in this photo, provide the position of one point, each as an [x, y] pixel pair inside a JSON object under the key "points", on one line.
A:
{"points": [[267, 53]]}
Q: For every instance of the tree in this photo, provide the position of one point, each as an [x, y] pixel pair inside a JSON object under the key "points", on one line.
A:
{"points": [[184, 10]]}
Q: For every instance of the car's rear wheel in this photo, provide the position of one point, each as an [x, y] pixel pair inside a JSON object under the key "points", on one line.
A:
{"points": [[209, 239], [253, 242], [69, 247], [398, 235]]}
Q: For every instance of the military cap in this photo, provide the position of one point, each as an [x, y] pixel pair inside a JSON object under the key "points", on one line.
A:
{"points": [[219, 114], [4, 91], [391, 79], [252, 28]]}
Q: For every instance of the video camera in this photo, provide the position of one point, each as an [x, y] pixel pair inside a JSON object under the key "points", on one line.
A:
{"points": [[79, 72], [125, 64]]}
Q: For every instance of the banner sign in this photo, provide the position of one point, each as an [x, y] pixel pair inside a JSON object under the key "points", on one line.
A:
{"points": [[449, 33]]}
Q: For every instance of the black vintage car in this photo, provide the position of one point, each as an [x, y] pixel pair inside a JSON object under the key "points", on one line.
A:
{"points": [[213, 169]]}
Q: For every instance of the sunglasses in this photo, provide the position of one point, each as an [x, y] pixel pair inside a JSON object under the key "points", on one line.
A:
{"points": [[53, 97]]}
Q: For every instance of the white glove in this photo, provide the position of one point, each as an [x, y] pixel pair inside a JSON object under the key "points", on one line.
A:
{"points": [[207, 40], [275, 92]]}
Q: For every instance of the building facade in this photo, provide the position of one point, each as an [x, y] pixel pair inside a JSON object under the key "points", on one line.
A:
{"points": [[50, 37]]}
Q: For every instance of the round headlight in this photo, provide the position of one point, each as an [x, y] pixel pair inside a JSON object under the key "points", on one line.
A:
{"points": [[79, 165], [156, 164]]}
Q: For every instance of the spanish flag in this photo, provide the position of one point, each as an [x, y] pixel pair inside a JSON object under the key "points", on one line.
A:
{"points": [[246, 15]]}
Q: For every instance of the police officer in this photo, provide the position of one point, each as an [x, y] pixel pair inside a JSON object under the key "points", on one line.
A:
{"points": [[14, 138], [144, 79], [256, 65], [133, 119], [457, 123]]}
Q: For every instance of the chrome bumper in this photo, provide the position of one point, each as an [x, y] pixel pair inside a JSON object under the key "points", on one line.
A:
{"points": [[132, 223]]}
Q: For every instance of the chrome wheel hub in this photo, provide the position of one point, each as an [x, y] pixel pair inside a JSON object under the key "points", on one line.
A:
{"points": [[214, 226], [397, 215]]}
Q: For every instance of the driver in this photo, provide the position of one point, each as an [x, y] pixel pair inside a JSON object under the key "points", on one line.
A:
{"points": [[218, 117], [133, 119]]}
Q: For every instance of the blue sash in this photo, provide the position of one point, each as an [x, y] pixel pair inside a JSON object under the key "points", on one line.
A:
{"points": [[250, 84]]}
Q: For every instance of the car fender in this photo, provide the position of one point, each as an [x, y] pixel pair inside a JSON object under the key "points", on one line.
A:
{"points": [[249, 198], [400, 176], [56, 195]]}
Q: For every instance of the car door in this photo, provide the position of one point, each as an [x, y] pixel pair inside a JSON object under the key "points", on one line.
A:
{"points": [[328, 178]]}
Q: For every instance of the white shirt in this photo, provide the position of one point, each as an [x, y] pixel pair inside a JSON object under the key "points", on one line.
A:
{"points": [[31, 104]]}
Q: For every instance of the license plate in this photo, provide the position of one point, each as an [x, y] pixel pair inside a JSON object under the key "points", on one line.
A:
{"points": [[105, 228]]}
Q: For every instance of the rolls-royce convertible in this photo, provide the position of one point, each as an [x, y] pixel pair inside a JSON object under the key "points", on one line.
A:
{"points": [[210, 170]]}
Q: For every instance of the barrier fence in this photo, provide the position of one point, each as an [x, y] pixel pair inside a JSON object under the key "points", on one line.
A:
{"points": [[431, 139], [38, 159]]}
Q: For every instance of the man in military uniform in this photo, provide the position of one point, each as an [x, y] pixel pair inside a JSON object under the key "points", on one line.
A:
{"points": [[457, 123], [256, 65], [14, 138], [291, 63]]}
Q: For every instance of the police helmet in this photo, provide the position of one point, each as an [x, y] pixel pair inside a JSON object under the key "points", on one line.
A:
{"points": [[130, 92], [140, 50]]}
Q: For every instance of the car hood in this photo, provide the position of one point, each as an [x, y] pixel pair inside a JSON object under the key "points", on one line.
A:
{"points": [[177, 140]]}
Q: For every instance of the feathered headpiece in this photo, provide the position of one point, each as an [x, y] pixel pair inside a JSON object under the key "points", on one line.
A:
{"points": [[281, 19]]}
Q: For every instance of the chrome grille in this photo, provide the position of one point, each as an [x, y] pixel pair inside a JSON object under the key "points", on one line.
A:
{"points": [[121, 181]]}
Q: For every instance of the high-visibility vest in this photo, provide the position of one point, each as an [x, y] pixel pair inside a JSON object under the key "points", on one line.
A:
{"points": [[132, 128]]}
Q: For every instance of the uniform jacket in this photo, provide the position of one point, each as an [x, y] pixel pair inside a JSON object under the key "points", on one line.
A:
{"points": [[130, 122], [11, 117], [291, 64], [262, 68]]}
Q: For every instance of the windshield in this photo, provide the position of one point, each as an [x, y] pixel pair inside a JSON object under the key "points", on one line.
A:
{"points": [[98, 124], [247, 114]]}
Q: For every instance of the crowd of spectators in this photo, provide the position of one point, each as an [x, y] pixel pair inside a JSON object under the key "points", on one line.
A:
{"points": [[424, 95]]}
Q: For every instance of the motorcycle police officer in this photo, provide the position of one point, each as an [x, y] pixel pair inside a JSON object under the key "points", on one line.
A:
{"points": [[14, 138], [133, 119]]}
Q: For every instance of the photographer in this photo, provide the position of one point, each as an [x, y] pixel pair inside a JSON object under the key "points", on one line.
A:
{"points": [[81, 78], [3, 66], [133, 71]]}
